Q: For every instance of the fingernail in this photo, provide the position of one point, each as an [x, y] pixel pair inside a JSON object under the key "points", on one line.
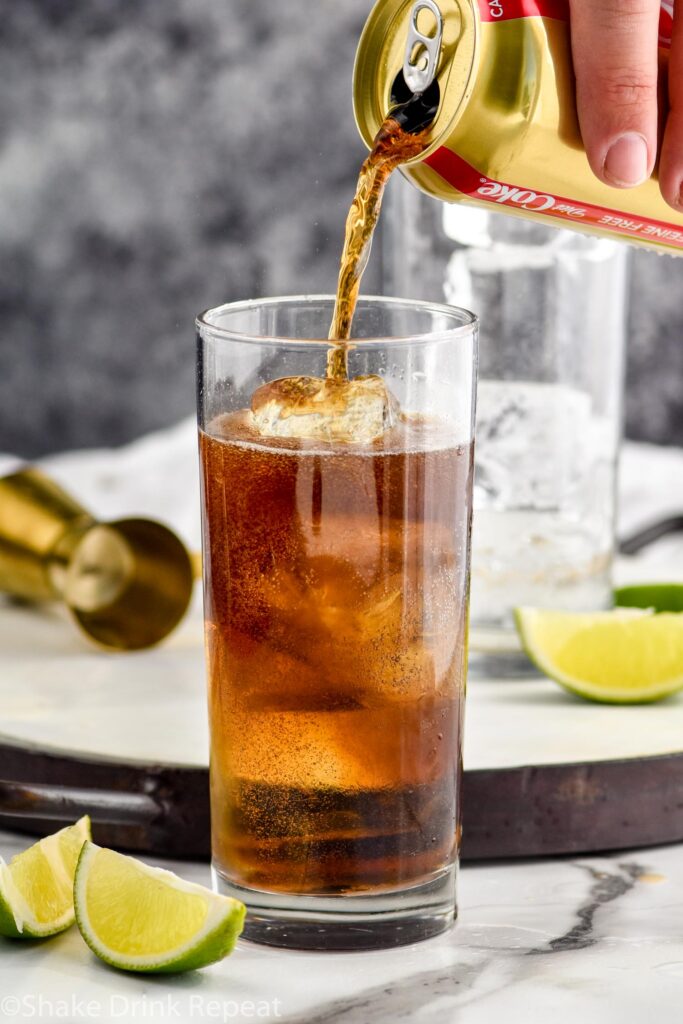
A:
{"points": [[626, 160]]}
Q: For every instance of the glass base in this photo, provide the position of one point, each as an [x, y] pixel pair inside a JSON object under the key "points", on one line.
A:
{"points": [[346, 923]]}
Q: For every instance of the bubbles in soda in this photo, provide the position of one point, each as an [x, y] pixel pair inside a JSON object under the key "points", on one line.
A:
{"points": [[336, 649]]}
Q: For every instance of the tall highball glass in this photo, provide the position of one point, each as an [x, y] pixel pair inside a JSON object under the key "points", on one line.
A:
{"points": [[336, 575]]}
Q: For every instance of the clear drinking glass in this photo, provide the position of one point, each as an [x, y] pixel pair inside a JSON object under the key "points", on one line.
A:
{"points": [[548, 407], [336, 588]]}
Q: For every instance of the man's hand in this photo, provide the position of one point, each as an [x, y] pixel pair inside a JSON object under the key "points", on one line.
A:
{"points": [[614, 44]]}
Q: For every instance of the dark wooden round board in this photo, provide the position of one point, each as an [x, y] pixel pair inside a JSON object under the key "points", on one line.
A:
{"points": [[123, 738]]}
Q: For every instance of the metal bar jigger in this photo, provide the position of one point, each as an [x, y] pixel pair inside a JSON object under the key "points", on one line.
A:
{"points": [[127, 583]]}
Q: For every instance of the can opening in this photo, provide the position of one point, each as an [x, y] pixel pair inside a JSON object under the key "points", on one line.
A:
{"points": [[414, 111]]}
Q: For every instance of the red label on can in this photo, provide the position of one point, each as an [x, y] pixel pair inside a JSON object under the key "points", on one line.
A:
{"points": [[666, 23], [468, 180], [506, 10]]}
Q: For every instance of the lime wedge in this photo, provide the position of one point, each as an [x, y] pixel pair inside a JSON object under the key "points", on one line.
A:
{"points": [[139, 918], [661, 597], [36, 887], [624, 656]]}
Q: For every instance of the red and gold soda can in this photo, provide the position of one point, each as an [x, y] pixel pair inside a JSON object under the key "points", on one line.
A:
{"points": [[506, 131]]}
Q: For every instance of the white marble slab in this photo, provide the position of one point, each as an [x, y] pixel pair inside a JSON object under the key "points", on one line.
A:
{"points": [[594, 941]]}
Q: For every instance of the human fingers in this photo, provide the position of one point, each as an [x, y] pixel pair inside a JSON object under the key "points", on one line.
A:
{"points": [[671, 161], [614, 47]]}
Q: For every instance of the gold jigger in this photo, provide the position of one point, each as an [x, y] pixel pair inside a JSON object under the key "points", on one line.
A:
{"points": [[127, 583]]}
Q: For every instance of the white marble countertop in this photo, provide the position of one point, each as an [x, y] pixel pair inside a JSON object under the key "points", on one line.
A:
{"points": [[592, 939]]}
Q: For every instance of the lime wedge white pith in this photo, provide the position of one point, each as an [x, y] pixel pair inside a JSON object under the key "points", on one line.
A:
{"points": [[624, 656], [36, 887], [139, 918]]}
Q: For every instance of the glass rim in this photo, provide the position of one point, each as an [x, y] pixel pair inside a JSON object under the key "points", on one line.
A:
{"points": [[466, 326]]}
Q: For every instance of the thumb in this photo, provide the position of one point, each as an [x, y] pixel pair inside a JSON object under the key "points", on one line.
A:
{"points": [[614, 46]]}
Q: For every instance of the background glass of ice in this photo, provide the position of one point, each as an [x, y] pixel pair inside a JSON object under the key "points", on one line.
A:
{"points": [[552, 308]]}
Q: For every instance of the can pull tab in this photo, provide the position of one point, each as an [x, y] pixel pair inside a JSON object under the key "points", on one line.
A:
{"points": [[421, 58]]}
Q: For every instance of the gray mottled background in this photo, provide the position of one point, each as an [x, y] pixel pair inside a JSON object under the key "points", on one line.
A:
{"points": [[159, 157]]}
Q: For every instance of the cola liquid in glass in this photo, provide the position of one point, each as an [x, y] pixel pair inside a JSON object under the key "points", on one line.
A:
{"points": [[335, 600]]}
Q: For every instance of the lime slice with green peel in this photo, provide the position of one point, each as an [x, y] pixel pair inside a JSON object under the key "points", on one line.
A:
{"points": [[139, 918], [624, 656], [661, 597], [36, 887]]}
